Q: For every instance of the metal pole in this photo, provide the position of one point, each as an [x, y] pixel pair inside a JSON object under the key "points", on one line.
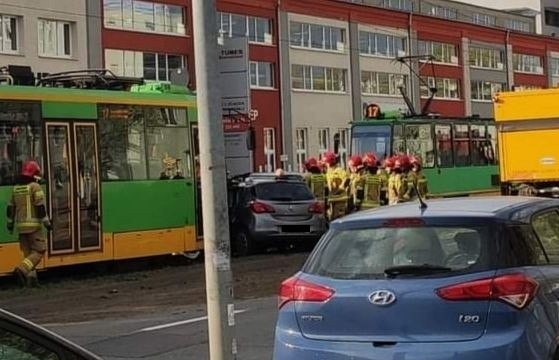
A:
{"points": [[219, 289]]}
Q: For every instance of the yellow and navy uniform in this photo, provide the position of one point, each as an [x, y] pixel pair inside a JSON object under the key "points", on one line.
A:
{"points": [[26, 210], [396, 188], [317, 184], [416, 179], [372, 191], [336, 180], [383, 175], [356, 188]]}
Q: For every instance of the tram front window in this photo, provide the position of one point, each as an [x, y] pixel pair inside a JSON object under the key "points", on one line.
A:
{"points": [[372, 138]]}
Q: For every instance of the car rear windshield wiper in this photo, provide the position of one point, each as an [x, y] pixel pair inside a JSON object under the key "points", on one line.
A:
{"points": [[395, 271]]}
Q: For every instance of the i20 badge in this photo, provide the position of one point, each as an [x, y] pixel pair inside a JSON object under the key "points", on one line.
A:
{"points": [[382, 298]]}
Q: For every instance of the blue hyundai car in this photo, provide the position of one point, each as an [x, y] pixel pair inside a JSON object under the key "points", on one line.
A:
{"points": [[464, 279]]}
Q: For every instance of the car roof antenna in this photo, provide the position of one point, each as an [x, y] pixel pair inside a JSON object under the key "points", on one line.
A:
{"points": [[422, 203]]}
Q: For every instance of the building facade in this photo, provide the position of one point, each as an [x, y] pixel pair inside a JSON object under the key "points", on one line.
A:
{"points": [[48, 36]]}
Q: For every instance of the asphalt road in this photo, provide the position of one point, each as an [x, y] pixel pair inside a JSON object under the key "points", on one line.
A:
{"points": [[178, 333]]}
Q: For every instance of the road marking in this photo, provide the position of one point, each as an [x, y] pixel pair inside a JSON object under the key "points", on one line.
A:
{"points": [[179, 323]]}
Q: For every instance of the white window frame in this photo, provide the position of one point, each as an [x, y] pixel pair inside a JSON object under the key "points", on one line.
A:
{"points": [[449, 51], [554, 66], [343, 148], [307, 71], [268, 38], [6, 44], [406, 5], [270, 152], [442, 12], [139, 64], [181, 27], [393, 80], [481, 86], [484, 19], [496, 58], [372, 47], [60, 51], [255, 65], [444, 93], [529, 64], [326, 32], [323, 146], [301, 147], [517, 25]]}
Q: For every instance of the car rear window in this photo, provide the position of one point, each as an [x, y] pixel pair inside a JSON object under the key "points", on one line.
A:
{"points": [[283, 191], [367, 253]]}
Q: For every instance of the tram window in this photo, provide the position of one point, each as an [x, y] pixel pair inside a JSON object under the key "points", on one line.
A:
{"points": [[20, 138], [444, 145], [398, 146], [167, 140], [478, 136], [419, 141], [490, 147], [123, 148], [461, 145]]}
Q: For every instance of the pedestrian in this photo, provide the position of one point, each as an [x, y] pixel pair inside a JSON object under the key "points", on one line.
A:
{"points": [[372, 183], [356, 177], [27, 213], [337, 184], [316, 180]]}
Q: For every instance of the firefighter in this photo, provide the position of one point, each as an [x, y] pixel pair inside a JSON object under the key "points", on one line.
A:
{"points": [[337, 183], [316, 180], [416, 179], [384, 174], [356, 176], [396, 180], [27, 212], [372, 184]]}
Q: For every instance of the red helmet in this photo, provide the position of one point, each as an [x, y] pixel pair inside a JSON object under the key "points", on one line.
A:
{"points": [[30, 168], [415, 160], [369, 160], [389, 162], [355, 161], [402, 162], [330, 158], [312, 163]]}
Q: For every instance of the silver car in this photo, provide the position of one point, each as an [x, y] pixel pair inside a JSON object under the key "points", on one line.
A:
{"points": [[271, 211]]}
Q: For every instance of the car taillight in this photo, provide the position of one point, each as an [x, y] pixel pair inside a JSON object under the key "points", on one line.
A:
{"points": [[295, 289], [261, 208], [316, 208], [517, 290]]}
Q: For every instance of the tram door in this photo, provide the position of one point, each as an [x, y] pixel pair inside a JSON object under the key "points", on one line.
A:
{"points": [[198, 196], [73, 187]]}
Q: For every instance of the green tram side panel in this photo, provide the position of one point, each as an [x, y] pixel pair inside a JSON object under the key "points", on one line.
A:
{"points": [[460, 180], [69, 111], [147, 205]]}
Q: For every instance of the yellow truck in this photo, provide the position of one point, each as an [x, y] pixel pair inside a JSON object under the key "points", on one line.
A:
{"points": [[528, 138]]}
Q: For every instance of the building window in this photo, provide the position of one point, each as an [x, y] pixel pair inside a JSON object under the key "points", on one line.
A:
{"points": [[9, 34], [517, 25], [317, 36], [270, 148], [261, 74], [484, 19], [323, 141], [381, 44], [440, 11], [484, 90], [301, 137], [443, 52], [527, 63], [257, 29], [54, 38], [144, 16], [378, 83], [554, 62], [526, 87], [343, 147], [551, 17], [446, 88], [487, 58], [318, 78], [150, 66], [398, 4]]}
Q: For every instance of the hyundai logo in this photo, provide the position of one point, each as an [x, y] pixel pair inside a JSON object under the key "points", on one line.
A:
{"points": [[382, 298]]}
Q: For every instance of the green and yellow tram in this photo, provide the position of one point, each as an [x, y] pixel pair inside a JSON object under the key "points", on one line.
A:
{"points": [[459, 155], [119, 170]]}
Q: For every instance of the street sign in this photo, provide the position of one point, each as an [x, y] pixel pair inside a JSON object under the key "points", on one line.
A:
{"points": [[234, 76]]}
